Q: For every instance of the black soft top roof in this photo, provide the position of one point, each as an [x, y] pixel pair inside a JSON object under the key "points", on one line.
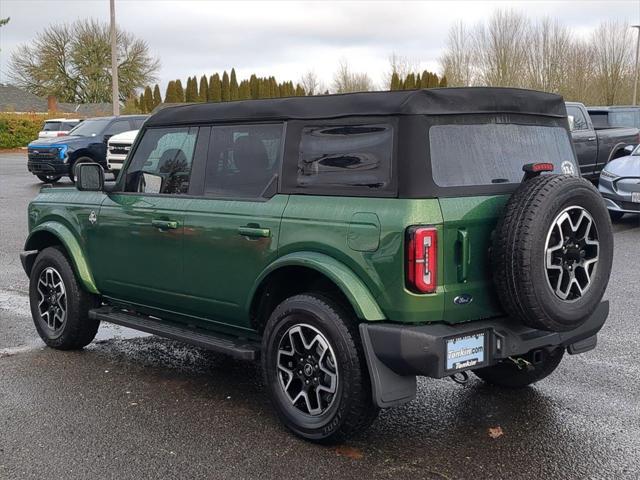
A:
{"points": [[437, 101]]}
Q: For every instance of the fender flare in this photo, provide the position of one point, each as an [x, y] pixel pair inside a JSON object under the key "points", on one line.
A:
{"points": [[346, 280], [73, 248]]}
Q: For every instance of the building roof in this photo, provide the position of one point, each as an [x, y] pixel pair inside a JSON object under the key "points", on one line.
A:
{"points": [[14, 99], [437, 101]]}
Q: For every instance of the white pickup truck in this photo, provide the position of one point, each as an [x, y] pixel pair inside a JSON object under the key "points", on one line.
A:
{"points": [[118, 148]]}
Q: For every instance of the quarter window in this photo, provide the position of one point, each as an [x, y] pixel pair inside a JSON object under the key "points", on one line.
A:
{"points": [[162, 162], [243, 160], [346, 155]]}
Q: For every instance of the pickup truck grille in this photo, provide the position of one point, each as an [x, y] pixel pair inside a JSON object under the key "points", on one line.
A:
{"points": [[39, 154], [119, 149]]}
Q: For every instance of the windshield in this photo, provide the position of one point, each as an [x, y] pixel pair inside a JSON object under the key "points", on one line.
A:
{"points": [[488, 154], [90, 128]]}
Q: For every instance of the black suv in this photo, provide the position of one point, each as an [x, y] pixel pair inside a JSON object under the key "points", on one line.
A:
{"points": [[51, 158]]}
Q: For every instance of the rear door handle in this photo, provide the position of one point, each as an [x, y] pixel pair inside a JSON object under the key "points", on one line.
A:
{"points": [[165, 224], [465, 255], [255, 232], [591, 139]]}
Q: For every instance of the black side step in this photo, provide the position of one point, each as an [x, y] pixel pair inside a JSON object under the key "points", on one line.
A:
{"points": [[238, 348]]}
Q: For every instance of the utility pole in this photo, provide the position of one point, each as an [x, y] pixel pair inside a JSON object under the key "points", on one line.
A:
{"points": [[635, 81], [115, 95]]}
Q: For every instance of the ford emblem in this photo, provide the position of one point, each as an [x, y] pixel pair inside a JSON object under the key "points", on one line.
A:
{"points": [[463, 299]]}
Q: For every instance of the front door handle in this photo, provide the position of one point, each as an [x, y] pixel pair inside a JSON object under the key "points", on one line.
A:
{"points": [[465, 255], [165, 224], [255, 232], [591, 139]]}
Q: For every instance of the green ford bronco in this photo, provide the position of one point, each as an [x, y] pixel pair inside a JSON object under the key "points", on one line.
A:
{"points": [[348, 242]]}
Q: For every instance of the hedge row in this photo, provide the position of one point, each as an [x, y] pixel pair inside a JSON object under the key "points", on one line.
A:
{"points": [[17, 130]]}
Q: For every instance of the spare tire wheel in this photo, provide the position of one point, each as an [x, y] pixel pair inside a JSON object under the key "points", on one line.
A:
{"points": [[552, 252]]}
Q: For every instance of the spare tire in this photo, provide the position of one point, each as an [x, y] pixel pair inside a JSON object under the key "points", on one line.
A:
{"points": [[552, 252]]}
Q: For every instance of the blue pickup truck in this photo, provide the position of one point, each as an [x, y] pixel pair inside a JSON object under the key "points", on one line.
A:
{"points": [[50, 159]]}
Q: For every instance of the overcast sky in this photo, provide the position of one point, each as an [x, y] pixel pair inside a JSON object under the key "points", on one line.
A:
{"points": [[286, 39]]}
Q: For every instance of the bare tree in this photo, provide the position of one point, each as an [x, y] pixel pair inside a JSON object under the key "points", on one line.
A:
{"points": [[457, 61], [346, 81], [548, 45], [501, 49], [73, 62], [612, 51], [311, 83], [578, 64], [401, 66]]}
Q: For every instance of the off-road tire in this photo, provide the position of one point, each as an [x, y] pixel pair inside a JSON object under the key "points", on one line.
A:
{"points": [[72, 170], [78, 330], [615, 215], [508, 374], [519, 247], [352, 410], [49, 178]]}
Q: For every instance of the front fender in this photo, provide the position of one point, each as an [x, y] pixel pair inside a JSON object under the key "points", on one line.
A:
{"points": [[347, 281], [71, 245]]}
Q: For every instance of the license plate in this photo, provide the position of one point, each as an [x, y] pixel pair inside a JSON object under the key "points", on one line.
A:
{"points": [[635, 197], [465, 351]]}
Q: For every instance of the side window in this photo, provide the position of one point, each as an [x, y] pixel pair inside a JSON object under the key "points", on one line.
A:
{"points": [[117, 127], [243, 160], [346, 155], [579, 121], [137, 123], [162, 162]]}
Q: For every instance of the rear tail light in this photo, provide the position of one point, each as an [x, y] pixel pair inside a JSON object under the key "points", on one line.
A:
{"points": [[422, 245], [61, 134]]}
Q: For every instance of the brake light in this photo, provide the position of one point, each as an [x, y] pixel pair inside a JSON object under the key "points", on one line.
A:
{"points": [[422, 247], [61, 134]]}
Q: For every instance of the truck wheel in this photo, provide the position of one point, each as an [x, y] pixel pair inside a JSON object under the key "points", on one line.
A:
{"points": [[508, 374], [552, 252], [49, 178], [315, 370], [59, 306], [72, 170]]}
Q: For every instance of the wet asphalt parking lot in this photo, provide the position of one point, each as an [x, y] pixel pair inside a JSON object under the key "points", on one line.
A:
{"points": [[134, 406]]}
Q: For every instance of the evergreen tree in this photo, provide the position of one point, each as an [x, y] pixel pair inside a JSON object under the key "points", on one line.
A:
{"points": [[191, 93], [215, 86], [424, 81], [410, 82], [395, 82], [299, 90], [203, 94], [131, 106], [443, 81], [157, 98], [148, 99], [179, 92], [233, 85], [244, 91], [142, 104], [170, 95], [418, 81], [226, 94], [253, 86]]}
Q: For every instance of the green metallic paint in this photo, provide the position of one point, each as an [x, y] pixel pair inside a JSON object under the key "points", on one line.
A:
{"points": [[358, 294], [322, 224], [468, 225]]}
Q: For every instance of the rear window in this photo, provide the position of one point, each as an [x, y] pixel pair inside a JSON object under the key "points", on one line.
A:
{"points": [[489, 154], [346, 155], [51, 126], [624, 118]]}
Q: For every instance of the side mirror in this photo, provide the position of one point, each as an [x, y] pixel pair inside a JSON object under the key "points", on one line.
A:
{"points": [[571, 122], [630, 148], [106, 138], [89, 177]]}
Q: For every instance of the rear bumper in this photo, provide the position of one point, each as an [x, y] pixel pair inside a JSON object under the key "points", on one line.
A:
{"points": [[397, 353]]}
